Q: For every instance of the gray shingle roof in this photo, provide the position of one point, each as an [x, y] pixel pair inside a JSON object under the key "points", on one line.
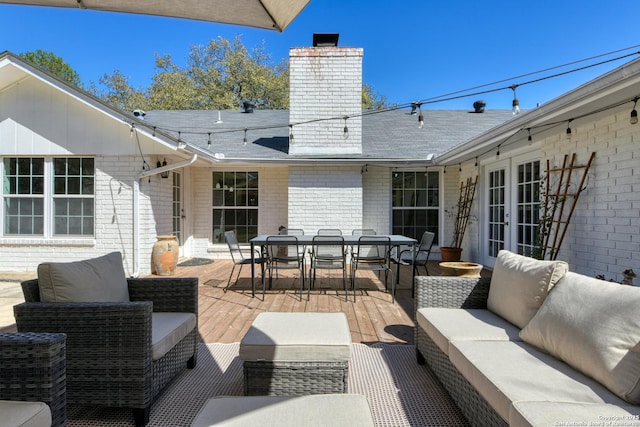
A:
{"points": [[391, 135]]}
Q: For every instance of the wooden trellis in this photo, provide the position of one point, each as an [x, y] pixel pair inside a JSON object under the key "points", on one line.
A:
{"points": [[562, 189], [465, 200]]}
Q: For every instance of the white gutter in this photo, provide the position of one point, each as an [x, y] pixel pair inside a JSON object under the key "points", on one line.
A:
{"points": [[136, 206]]}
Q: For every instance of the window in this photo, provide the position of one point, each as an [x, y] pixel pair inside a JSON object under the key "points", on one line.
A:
{"points": [[23, 190], [48, 197], [176, 214], [415, 200], [73, 196], [528, 207], [235, 205]]}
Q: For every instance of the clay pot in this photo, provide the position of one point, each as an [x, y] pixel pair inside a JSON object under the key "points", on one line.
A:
{"points": [[164, 256], [448, 253]]}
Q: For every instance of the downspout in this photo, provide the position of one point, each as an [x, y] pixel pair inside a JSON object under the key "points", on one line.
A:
{"points": [[136, 206]]}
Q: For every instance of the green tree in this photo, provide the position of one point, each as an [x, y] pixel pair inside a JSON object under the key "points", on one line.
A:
{"points": [[51, 62], [372, 100], [119, 93]]}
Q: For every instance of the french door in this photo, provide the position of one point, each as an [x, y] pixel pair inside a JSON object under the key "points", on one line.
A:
{"points": [[177, 213], [510, 211]]}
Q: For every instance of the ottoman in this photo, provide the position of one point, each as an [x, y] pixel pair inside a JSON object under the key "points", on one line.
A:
{"points": [[291, 354], [319, 410]]}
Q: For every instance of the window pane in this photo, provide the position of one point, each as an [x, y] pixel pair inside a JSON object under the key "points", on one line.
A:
{"points": [[235, 201]]}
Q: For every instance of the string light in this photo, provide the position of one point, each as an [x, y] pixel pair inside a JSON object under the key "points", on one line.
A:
{"points": [[498, 152], [529, 137], [244, 141], [515, 104], [291, 138], [633, 119], [476, 163], [460, 167], [444, 172], [420, 117], [345, 131], [568, 131], [133, 127], [209, 140]]}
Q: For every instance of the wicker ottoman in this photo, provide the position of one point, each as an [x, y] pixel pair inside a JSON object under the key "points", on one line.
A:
{"points": [[309, 411], [291, 354]]}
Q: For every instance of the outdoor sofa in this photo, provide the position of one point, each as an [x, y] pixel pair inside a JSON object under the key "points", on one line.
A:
{"points": [[534, 345], [32, 380], [126, 337]]}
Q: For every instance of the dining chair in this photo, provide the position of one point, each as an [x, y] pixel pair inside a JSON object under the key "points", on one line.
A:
{"points": [[422, 253], [240, 257], [328, 253], [283, 253], [372, 253]]}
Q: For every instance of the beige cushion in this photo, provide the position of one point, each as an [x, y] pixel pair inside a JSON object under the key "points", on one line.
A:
{"points": [[168, 329], [529, 414], [444, 325], [504, 372], [321, 337], [99, 279], [309, 411], [593, 326], [520, 284], [24, 414]]}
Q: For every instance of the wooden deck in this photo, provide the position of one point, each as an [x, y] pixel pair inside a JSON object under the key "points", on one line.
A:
{"points": [[224, 317]]}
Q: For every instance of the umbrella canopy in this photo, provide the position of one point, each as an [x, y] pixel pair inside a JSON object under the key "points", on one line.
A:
{"points": [[269, 14]]}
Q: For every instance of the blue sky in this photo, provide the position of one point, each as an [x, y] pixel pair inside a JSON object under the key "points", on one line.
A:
{"points": [[413, 50]]}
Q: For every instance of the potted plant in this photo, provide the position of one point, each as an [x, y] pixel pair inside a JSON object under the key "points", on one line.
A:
{"points": [[459, 214]]}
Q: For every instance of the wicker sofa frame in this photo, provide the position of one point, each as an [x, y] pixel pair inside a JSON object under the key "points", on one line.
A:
{"points": [[109, 361], [453, 292], [32, 368]]}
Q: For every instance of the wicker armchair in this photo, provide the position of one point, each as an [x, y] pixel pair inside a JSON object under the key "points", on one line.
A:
{"points": [[109, 359], [32, 368]]}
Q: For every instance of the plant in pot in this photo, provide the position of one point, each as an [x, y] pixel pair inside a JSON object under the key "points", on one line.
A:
{"points": [[459, 214]]}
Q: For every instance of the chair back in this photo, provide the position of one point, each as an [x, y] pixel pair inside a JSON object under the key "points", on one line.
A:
{"points": [[291, 232], [283, 249], [427, 241], [373, 248], [363, 232], [328, 248], [329, 232], [234, 246]]}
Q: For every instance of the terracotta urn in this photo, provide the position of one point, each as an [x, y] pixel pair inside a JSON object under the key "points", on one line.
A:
{"points": [[449, 253], [164, 256]]}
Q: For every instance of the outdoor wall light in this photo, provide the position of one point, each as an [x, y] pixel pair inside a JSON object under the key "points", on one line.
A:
{"points": [[164, 174], [634, 113]]}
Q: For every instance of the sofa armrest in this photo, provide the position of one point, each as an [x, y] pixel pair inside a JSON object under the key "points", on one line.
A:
{"points": [[32, 368], [169, 294], [97, 332], [453, 292]]}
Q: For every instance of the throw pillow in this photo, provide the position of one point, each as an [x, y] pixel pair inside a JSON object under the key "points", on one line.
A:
{"points": [[520, 284], [99, 279], [594, 326]]}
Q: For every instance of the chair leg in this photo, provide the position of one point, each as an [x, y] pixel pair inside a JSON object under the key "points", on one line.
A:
{"points": [[141, 416], [191, 363], [230, 276]]}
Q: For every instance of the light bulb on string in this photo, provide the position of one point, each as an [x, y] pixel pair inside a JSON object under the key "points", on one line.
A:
{"points": [[244, 140], [568, 131], [460, 167], [529, 138], [633, 119], [476, 163], [133, 128], [291, 138], [420, 117], [209, 140], [515, 104], [345, 131], [498, 152]]}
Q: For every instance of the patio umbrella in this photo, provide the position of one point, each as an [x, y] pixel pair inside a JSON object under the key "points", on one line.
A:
{"points": [[269, 14]]}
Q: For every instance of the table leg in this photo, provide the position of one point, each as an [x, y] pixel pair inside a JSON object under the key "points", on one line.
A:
{"points": [[253, 271]]}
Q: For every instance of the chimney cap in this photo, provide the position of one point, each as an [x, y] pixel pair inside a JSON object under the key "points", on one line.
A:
{"points": [[325, 39]]}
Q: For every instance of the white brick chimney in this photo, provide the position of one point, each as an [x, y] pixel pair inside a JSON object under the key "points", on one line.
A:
{"points": [[325, 82]]}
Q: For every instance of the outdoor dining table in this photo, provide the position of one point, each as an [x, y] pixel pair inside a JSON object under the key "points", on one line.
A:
{"points": [[396, 240]]}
